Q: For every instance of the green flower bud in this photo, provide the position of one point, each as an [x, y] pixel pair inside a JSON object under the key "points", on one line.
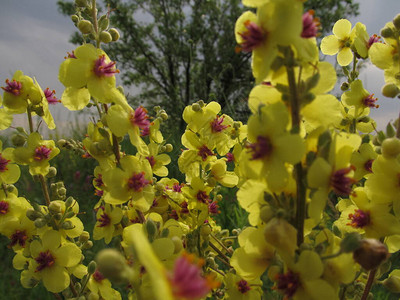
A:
{"points": [[40, 222], [92, 267], [52, 172], [236, 125], [114, 34], [236, 232], [54, 207], [105, 37], [151, 228], [168, 148], [177, 243], [364, 119], [84, 237], [112, 265], [11, 189], [201, 103], [390, 131], [58, 216], [390, 90], [61, 143], [69, 214], [196, 107], [266, 213], [350, 242], [391, 147], [62, 191], [387, 32], [219, 197], [32, 214], [18, 140], [85, 26], [69, 201], [87, 245], [103, 23], [205, 230], [81, 3], [396, 22], [164, 116], [392, 283], [67, 225]]}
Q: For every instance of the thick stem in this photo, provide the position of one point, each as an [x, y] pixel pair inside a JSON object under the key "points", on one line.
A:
{"points": [[368, 286], [298, 168], [29, 113], [44, 189], [95, 24]]}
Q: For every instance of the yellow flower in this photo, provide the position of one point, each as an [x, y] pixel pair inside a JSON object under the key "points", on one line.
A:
{"points": [[37, 154], [101, 286], [238, 288], [133, 181], [362, 160], [9, 172], [340, 42], [88, 72], [302, 280], [50, 258], [107, 217], [270, 146], [276, 23]]}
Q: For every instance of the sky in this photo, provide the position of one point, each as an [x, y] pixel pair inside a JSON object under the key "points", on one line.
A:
{"points": [[34, 38]]}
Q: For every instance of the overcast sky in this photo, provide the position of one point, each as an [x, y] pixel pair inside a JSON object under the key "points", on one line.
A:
{"points": [[34, 38]]}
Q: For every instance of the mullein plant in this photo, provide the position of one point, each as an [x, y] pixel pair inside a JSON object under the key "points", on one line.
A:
{"points": [[321, 192]]}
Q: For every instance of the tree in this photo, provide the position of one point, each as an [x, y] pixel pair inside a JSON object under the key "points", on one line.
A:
{"points": [[179, 51]]}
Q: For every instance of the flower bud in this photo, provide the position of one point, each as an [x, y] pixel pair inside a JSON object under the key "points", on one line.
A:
{"points": [[32, 214], [196, 107], [69, 201], [18, 140], [390, 90], [168, 148], [84, 237], [396, 22], [103, 23], [211, 181], [112, 265], [105, 37], [93, 296], [266, 213], [85, 26], [205, 230], [81, 3], [387, 32], [54, 207], [164, 116], [61, 143], [10, 188], [370, 254], [69, 214], [62, 191], [391, 148], [201, 103], [52, 172], [87, 245], [40, 222], [114, 34], [67, 225], [151, 228], [75, 19], [92, 267], [350, 242], [177, 243], [392, 283]]}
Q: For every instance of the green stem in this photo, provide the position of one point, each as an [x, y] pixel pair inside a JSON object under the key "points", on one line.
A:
{"points": [[222, 255], [221, 244], [95, 24], [73, 290], [298, 168], [29, 113], [368, 286], [44, 189]]}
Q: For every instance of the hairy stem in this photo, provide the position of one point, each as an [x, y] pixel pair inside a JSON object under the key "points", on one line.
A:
{"points": [[367, 289], [298, 168]]}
